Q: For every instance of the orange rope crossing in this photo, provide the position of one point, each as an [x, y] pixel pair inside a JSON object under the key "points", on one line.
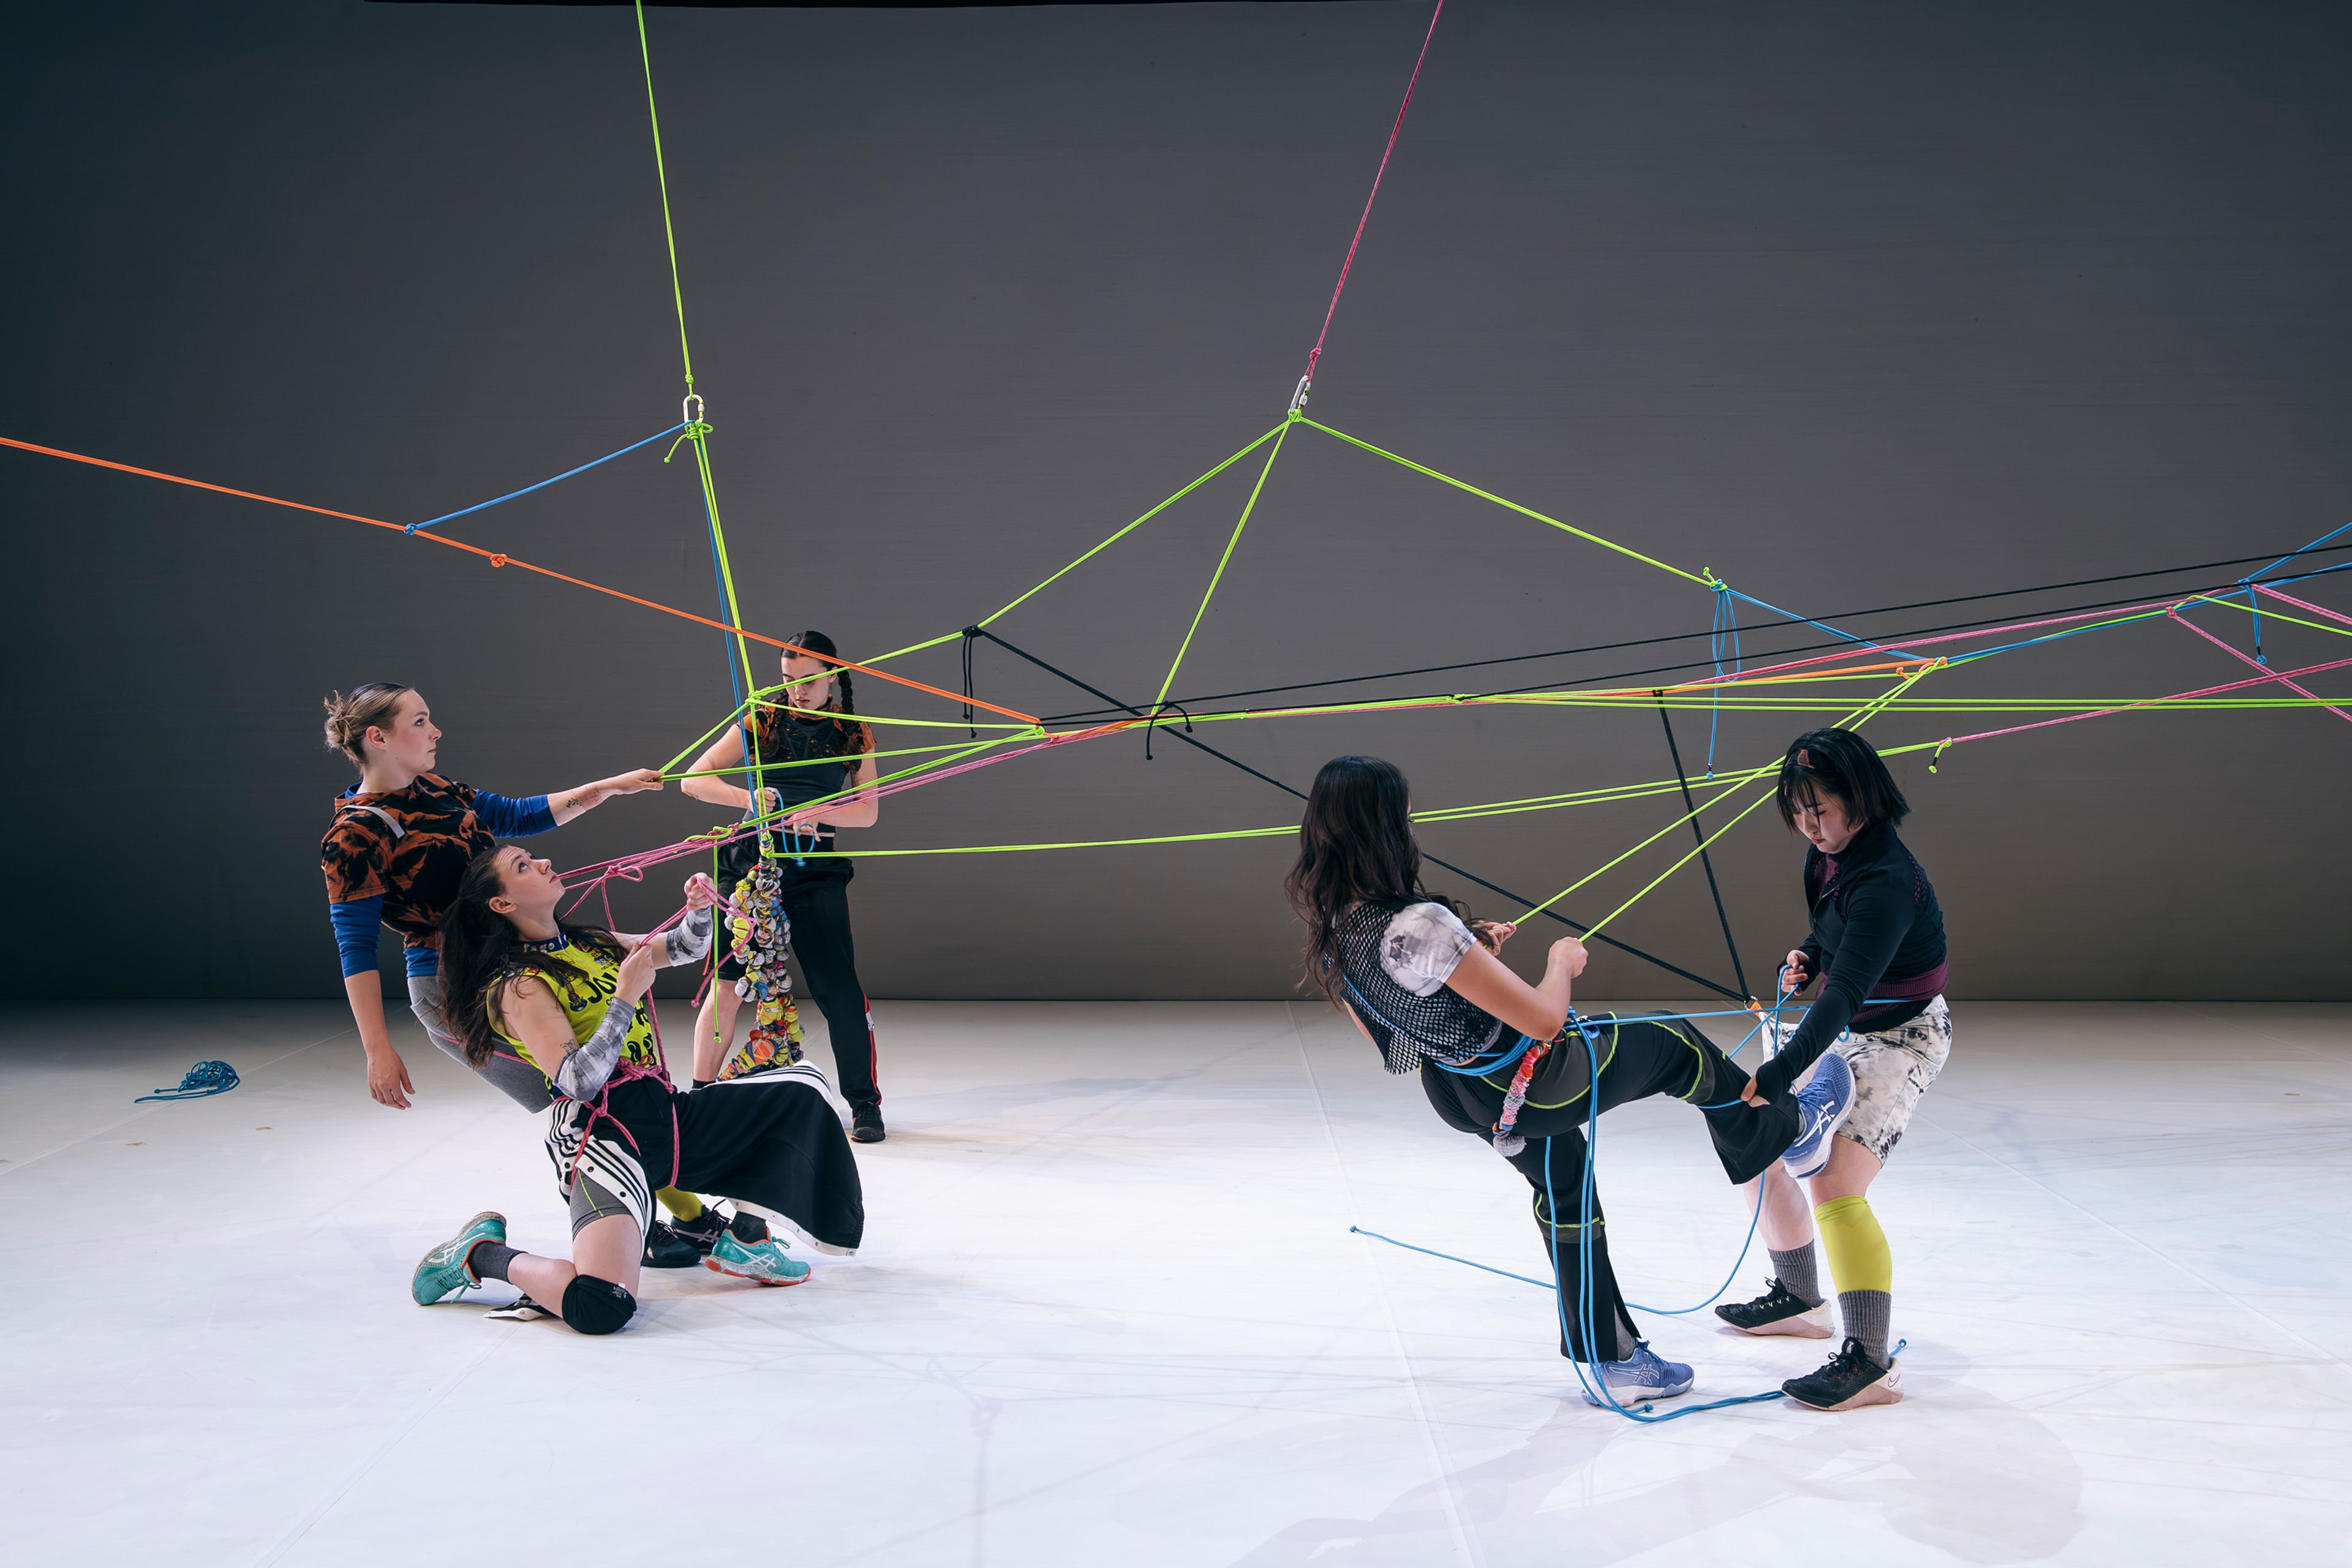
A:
{"points": [[497, 558]]}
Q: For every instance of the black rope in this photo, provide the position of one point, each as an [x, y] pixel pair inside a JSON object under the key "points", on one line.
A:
{"points": [[970, 633], [1884, 640], [1888, 638], [1154, 723], [1675, 751], [1200, 744]]}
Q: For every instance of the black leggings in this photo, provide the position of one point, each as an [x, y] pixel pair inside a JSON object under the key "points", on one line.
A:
{"points": [[819, 911], [1639, 1058]]}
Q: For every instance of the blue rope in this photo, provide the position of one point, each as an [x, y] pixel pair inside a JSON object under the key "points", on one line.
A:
{"points": [[1584, 1231], [1644, 1413], [1824, 625], [204, 1078], [2293, 553], [1726, 615], [542, 484]]}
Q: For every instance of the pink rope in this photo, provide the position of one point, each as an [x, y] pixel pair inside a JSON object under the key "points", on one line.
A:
{"points": [[2250, 659], [1317, 351], [2125, 708], [1753, 670], [633, 867], [2304, 604]]}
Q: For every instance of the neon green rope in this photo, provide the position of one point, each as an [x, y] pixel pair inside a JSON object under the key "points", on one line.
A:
{"points": [[676, 290], [1507, 505], [1854, 720], [1282, 433], [1097, 550]]}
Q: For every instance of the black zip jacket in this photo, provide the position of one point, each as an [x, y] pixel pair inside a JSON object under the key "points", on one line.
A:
{"points": [[1878, 934]]}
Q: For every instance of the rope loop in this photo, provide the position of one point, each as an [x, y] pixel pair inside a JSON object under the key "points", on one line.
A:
{"points": [[1153, 724], [204, 1078]]}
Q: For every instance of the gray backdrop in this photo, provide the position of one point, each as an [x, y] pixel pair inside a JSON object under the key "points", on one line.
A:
{"points": [[1858, 305]]}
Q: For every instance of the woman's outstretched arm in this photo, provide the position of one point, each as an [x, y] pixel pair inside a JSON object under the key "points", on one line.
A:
{"points": [[727, 751], [1536, 1011]]}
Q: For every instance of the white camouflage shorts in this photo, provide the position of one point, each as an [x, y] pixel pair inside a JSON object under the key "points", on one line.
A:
{"points": [[1892, 1068]]}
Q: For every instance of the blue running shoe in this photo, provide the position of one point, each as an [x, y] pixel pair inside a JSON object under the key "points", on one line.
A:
{"points": [[1822, 1105], [765, 1262], [443, 1273], [1645, 1375]]}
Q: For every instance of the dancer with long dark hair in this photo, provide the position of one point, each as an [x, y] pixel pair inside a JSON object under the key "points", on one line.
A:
{"points": [[1509, 1061], [1878, 948], [568, 1001], [811, 747]]}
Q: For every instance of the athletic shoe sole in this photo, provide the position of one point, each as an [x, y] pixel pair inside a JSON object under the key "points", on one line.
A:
{"points": [[1812, 1324], [718, 1267], [1629, 1398], [1888, 1390]]}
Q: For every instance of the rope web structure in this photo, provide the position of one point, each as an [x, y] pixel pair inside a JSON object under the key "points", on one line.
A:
{"points": [[1849, 677]]}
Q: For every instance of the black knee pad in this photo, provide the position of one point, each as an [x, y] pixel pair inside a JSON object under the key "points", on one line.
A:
{"points": [[596, 1306]]}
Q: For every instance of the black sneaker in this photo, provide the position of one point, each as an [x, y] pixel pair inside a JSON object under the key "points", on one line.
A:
{"points": [[748, 1228], [866, 1124], [1777, 1312], [665, 1248], [1849, 1381], [702, 1231]]}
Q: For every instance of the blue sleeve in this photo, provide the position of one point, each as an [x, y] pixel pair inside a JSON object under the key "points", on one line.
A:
{"points": [[356, 926], [510, 818]]}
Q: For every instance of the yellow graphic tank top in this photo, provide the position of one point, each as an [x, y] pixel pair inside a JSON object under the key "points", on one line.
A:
{"points": [[584, 995]]}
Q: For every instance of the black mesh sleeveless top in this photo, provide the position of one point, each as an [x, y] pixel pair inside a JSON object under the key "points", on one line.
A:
{"points": [[1442, 1026]]}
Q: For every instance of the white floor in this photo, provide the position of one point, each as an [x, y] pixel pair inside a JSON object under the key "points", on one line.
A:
{"points": [[1109, 1313]]}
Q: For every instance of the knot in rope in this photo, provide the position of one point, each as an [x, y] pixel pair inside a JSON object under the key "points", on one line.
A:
{"points": [[204, 1078], [693, 430], [498, 560]]}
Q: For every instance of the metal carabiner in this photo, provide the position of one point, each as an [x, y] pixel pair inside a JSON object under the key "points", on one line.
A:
{"points": [[689, 409], [1298, 398]]}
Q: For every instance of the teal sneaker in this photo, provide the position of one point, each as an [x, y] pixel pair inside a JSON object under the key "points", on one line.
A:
{"points": [[442, 1273], [765, 1262]]}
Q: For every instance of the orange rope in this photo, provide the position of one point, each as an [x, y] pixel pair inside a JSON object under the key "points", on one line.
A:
{"points": [[496, 559]]}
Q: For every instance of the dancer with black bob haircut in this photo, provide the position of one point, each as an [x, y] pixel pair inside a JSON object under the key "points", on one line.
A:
{"points": [[811, 747], [1876, 946], [1508, 1061], [569, 1002]]}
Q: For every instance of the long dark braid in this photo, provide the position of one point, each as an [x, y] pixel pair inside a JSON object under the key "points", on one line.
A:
{"points": [[850, 737]]}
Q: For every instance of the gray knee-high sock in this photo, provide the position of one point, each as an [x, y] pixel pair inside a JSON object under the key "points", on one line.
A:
{"points": [[488, 1260], [1796, 1273], [1867, 1316]]}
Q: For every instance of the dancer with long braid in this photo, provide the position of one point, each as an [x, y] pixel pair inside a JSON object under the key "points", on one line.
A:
{"points": [[811, 747]]}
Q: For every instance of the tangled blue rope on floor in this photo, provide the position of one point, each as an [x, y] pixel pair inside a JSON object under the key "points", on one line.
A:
{"points": [[204, 1078]]}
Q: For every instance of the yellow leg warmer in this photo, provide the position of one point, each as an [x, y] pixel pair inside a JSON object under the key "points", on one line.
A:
{"points": [[685, 1205], [1859, 1258]]}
